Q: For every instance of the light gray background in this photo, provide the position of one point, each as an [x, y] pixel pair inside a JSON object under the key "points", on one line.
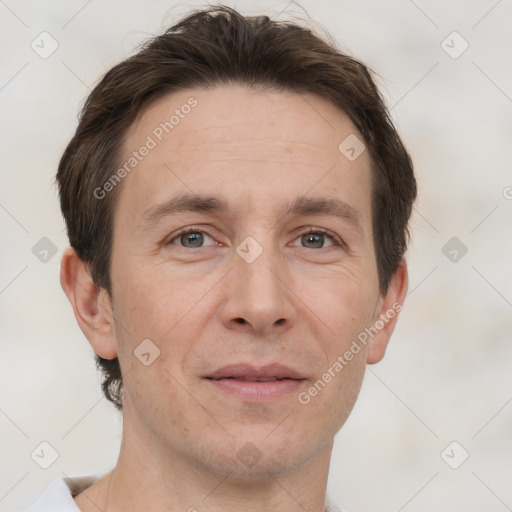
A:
{"points": [[446, 376]]}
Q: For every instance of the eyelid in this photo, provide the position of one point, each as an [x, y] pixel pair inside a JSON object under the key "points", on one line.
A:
{"points": [[322, 231], [311, 229], [184, 231]]}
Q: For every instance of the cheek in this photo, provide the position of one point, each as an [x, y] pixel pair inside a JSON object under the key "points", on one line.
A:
{"points": [[146, 302], [164, 311], [335, 390], [151, 393], [344, 300], [346, 306]]}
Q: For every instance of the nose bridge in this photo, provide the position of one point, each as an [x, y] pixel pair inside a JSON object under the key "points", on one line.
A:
{"points": [[257, 297], [260, 275]]}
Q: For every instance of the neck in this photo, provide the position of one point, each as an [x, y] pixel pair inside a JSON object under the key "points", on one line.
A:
{"points": [[150, 478]]}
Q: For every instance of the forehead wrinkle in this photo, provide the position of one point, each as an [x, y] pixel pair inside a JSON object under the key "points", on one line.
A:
{"points": [[278, 151]]}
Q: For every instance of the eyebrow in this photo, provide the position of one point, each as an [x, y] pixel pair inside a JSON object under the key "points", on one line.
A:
{"points": [[328, 206], [215, 205], [184, 203]]}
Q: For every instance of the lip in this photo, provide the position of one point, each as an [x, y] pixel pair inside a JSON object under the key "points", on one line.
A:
{"points": [[250, 372], [242, 380]]}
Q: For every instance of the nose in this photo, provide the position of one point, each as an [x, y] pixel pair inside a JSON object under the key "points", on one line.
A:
{"points": [[258, 299]]}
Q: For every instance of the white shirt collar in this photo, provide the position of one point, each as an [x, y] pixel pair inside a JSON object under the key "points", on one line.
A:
{"points": [[58, 496]]}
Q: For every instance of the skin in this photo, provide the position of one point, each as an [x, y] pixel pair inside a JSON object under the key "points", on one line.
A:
{"points": [[299, 303]]}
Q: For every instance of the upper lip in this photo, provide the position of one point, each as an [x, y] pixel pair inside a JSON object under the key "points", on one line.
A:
{"points": [[249, 372]]}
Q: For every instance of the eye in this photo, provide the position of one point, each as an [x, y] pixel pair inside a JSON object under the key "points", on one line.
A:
{"points": [[313, 238], [191, 239], [316, 238]]}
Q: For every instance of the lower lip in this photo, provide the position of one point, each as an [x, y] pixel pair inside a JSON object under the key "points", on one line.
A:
{"points": [[257, 390]]}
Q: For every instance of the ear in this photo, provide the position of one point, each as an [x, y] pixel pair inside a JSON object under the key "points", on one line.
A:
{"points": [[387, 311], [92, 307]]}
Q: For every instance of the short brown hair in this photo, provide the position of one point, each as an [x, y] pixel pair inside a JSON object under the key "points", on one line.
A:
{"points": [[208, 48]]}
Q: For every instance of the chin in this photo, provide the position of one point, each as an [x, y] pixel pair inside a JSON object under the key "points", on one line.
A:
{"points": [[254, 454]]}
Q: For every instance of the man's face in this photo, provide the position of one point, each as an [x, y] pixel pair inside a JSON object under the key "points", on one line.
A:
{"points": [[248, 293]]}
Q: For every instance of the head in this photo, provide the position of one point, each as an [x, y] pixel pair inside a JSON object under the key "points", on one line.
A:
{"points": [[236, 193]]}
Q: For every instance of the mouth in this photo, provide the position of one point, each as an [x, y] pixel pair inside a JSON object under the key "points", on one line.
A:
{"points": [[259, 383], [248, 378]]}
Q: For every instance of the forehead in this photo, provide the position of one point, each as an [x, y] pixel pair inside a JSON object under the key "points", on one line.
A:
{"points": [[229, 140]]}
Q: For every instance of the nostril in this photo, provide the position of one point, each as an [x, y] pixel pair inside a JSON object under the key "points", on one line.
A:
{"points": [[240, 320]]}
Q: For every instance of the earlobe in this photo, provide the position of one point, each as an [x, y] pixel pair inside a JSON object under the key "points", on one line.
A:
{"points": [[390, 305], [91, 305]]}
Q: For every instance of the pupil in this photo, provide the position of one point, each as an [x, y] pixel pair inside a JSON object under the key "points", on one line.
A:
{"points": [[192, 240], [314, 239]]}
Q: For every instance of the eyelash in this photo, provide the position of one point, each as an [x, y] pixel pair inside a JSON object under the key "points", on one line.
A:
{"points": [[320, 231], [312, 230]]}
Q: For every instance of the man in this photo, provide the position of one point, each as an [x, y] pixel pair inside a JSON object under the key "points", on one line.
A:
{"points": [[237, 202]]}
